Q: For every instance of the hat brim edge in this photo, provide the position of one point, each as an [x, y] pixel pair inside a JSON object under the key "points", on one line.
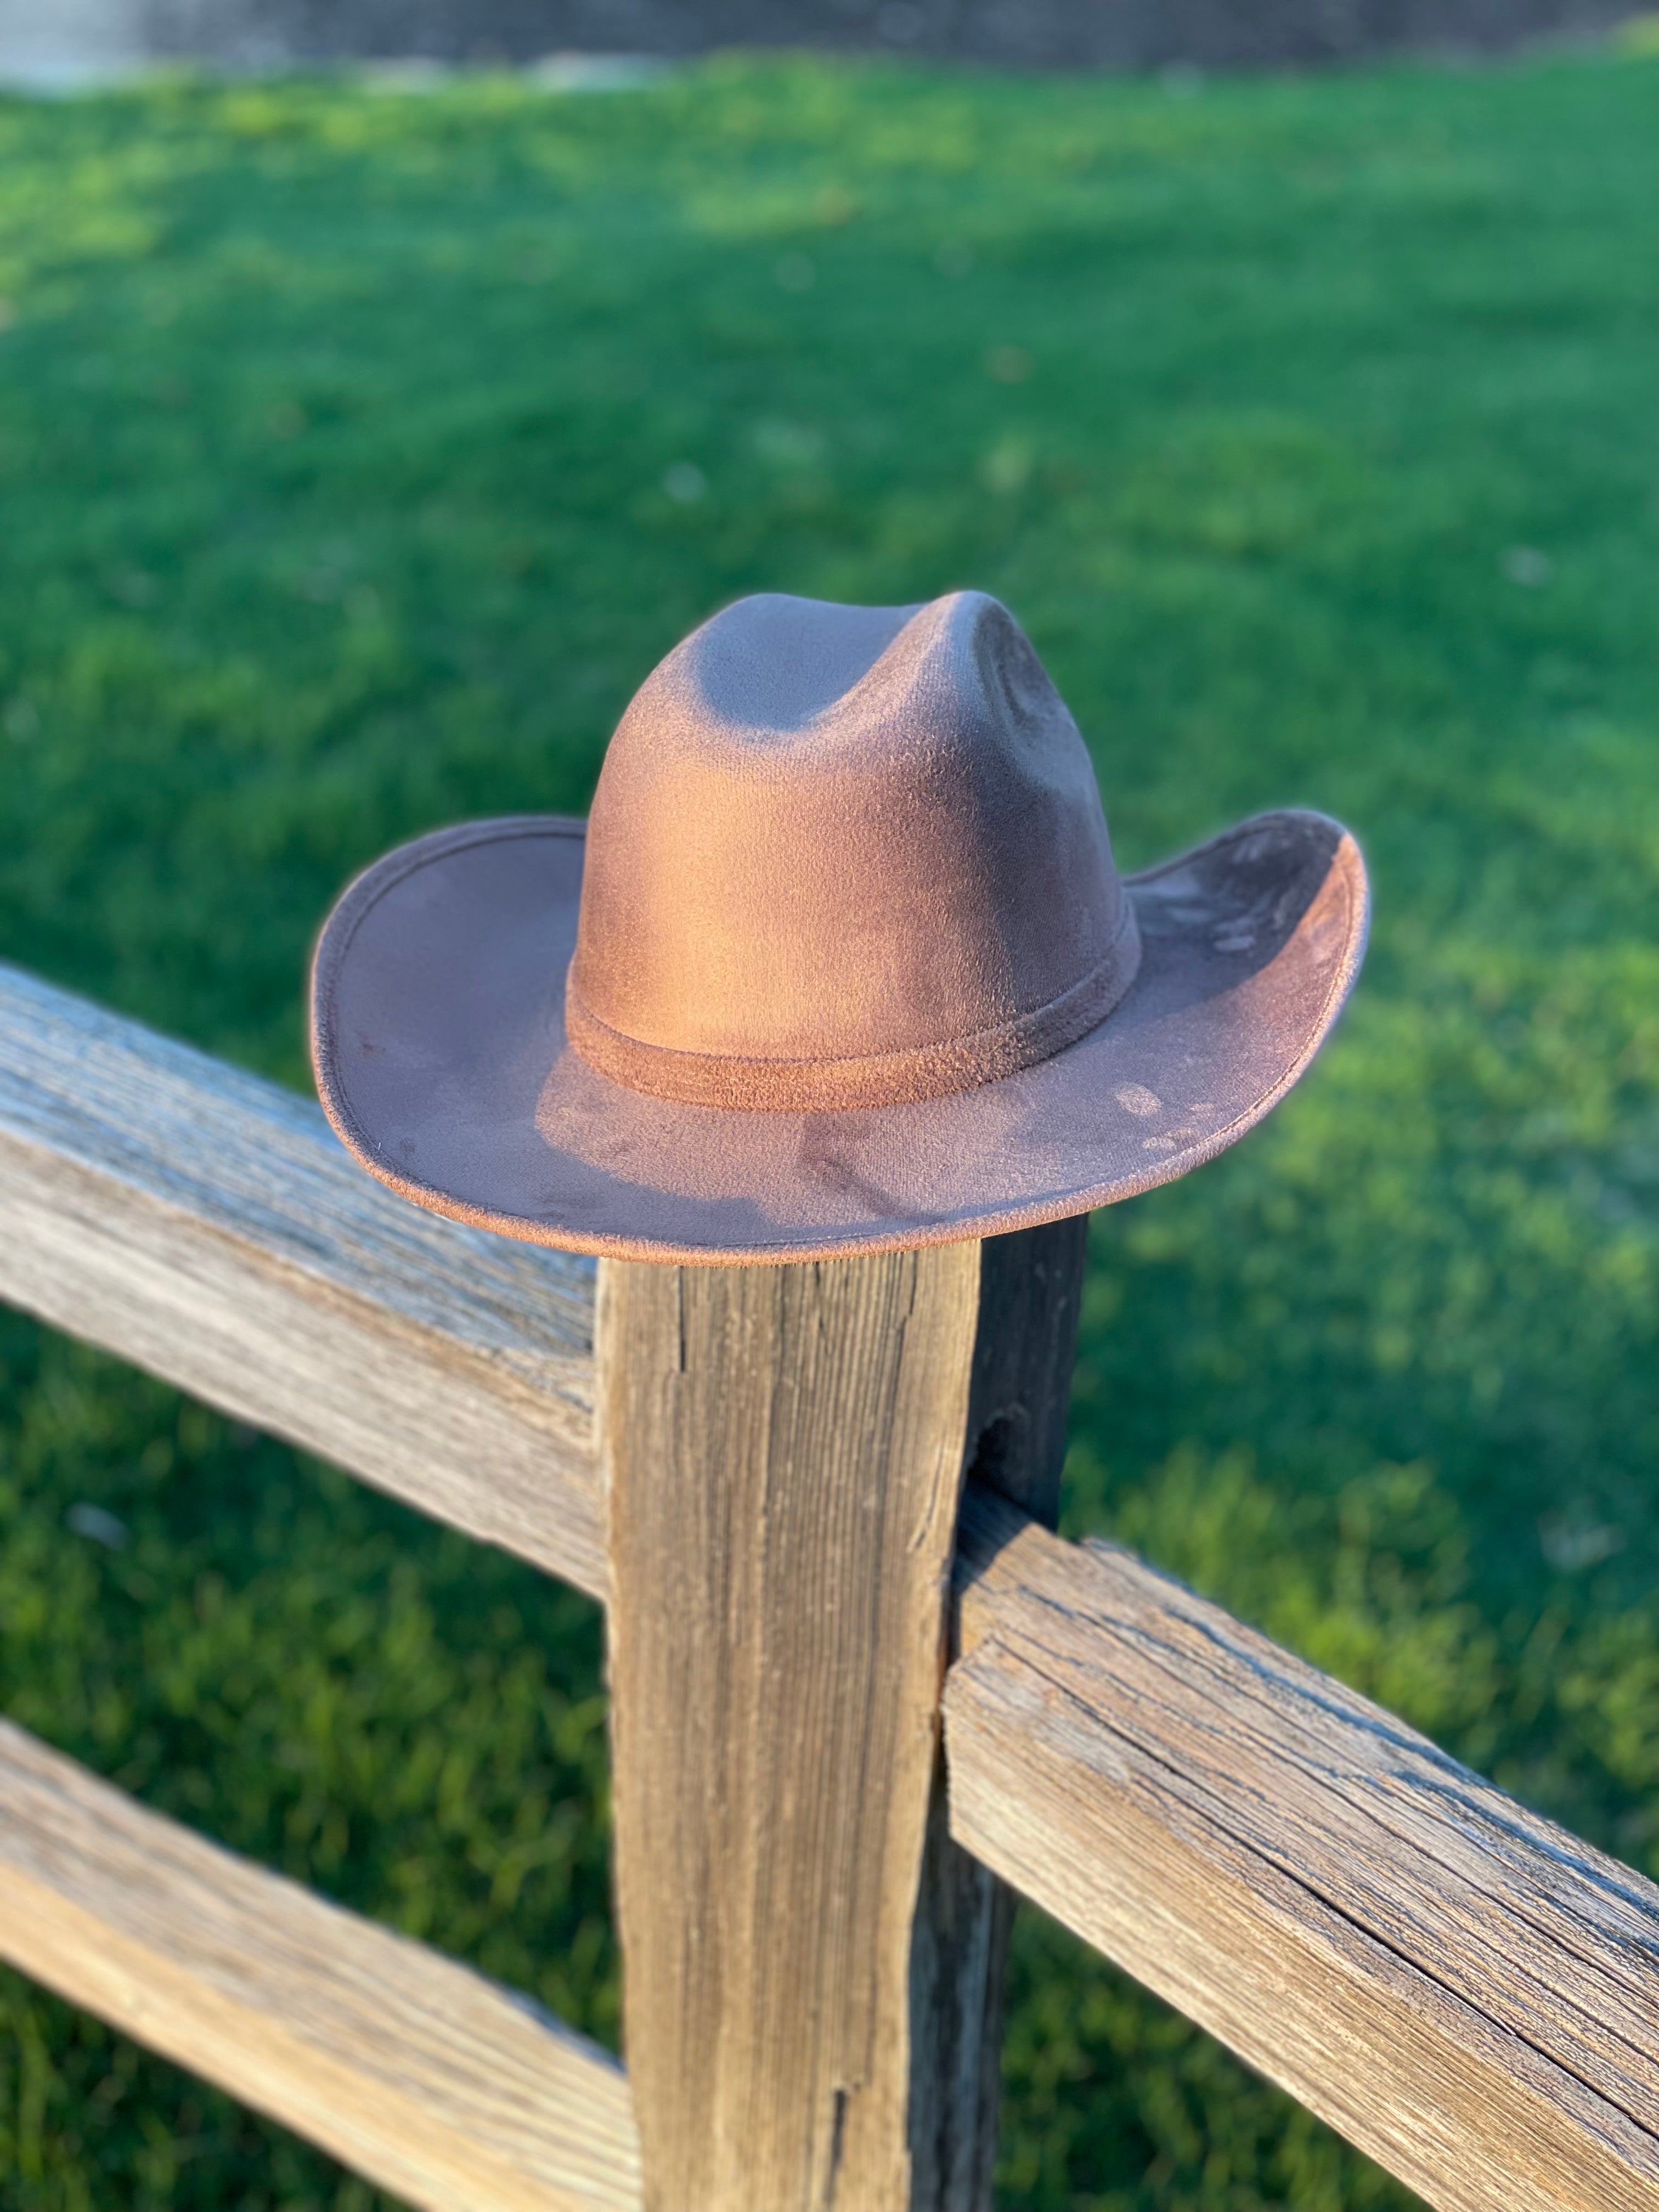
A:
{"points": [[332, 947]]}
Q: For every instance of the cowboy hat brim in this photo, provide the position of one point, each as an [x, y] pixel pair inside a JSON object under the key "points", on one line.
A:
{"points": [[438, 1043]]}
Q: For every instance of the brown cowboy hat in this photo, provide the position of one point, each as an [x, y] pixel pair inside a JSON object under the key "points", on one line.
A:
{"points": [[839, 962]]}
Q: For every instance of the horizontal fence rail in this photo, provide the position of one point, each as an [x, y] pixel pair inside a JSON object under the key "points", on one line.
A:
{"points": [[1465, 1990], [1462, 1989], [413, 2070], [208, 1226]]}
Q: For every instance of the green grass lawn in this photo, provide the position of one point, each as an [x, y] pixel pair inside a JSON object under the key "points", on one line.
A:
{"points": [[359, 455]]}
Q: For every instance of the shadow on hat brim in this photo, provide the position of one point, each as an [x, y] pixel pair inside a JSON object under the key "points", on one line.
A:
{"points": [[438, 1044]]}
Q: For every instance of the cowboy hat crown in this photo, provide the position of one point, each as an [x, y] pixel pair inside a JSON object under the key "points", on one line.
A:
{"points": [[844, 857]]}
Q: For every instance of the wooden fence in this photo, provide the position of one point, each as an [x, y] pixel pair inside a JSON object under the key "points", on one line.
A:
{"points": [[1467, 1992]]}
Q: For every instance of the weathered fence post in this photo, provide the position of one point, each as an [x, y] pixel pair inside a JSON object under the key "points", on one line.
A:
{"points": [[840, 959], [812, 1969]]}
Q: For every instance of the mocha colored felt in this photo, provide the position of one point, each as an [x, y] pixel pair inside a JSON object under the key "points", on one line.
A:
{"points": [[845, 856], [854, 968]]}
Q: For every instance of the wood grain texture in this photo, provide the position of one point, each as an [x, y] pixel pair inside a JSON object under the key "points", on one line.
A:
{"points": [[415, 2071], [1461, 1988], [1464, 1990], [1025, 1343], [784, 1450], [209, 1226], [1024, 1349]]}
